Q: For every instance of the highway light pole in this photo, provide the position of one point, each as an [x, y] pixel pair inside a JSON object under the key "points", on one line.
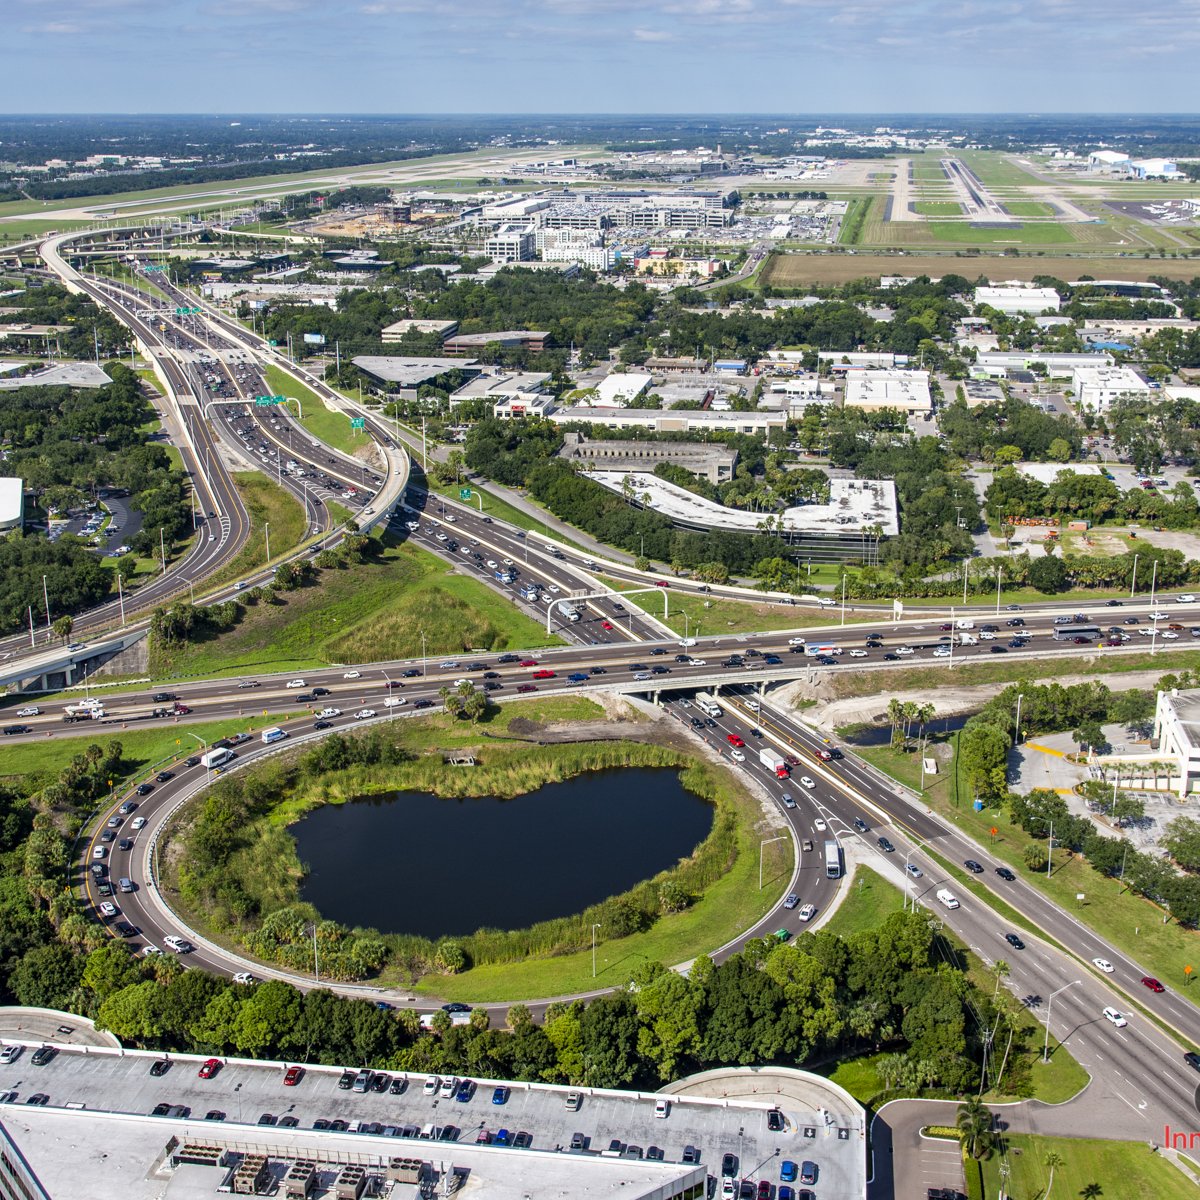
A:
{"points": [[424, 663], [1017, 727], [1049, 1009], [761, 847], [46, 601], [1133, 581], [594, 928], [267, 532], [908, 877]]}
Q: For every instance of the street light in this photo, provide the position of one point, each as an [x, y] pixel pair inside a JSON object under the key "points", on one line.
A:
{"points": [[908, 877], [1017, 729], [424, 663], [761, 847], [594, 928], [1049, 1007]]}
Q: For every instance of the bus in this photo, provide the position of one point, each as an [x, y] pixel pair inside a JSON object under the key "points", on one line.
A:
{"points": [[833, 859], [1068, 633]]}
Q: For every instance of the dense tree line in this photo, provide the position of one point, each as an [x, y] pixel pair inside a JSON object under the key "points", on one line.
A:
{"points": [[90, 328], [73, 577], [988, 429]]}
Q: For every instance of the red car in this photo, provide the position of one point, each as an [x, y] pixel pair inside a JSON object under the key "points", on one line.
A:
{"points": [[543, 674], [209, 1067], [292, 1076], [1152, 983], [791, 760], [734, 740], [529, 662], [661, 583], [526, 687], [605, 624]]}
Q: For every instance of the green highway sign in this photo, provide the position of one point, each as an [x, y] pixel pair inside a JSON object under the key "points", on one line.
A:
{"points": [[464, 493], [272, 342], [186, 312], [279, 399], [263, 401], [358, 422], [154, 267]]}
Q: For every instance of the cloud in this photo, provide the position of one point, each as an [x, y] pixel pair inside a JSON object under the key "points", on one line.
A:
{"points": [[54, 29], [652, 35]]}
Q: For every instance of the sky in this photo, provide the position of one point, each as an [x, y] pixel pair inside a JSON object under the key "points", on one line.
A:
{"points": [[609, 56]]}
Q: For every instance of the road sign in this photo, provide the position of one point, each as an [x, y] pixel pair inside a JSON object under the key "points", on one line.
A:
{"points": [[464, 493], [358, 422], [279, 399], [263, 401], [186, 312], [272, 342]]}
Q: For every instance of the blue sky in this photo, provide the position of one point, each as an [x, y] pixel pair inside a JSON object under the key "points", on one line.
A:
{"points": [[787, 56]]}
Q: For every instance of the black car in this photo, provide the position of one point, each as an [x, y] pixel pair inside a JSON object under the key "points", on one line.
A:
{"points": [[192, 761], [638, 667], [729, 1166], [660, 650], [160, 1066], [775, 1120], [579, 1140], [144, 789], [214, 1114], [12, 730], [974, 867], [691, 1154], [1014, 941], [413, 673], [597, 671], [422, 704], [165, 776], [303, 698], [886, 845], [398, 1085], [891, 658], [660, 670], [523, 1140], [346, 1082], [379, 1082], [42, 1055], [125, 844], [996, 648], [268, 1119], [1192, 1059], [456, 1006], [1017, 623], [125, 929], [161, 1109], [338, 1126], [320, 691], [289, 1122], [163, 697], [1114, 603], [321, 725], [320, 1123], [1005, 874], [861, 825]]}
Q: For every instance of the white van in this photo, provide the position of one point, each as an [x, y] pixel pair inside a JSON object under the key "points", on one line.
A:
{"points": [[964, 623], [274, 734], [947, 897]]}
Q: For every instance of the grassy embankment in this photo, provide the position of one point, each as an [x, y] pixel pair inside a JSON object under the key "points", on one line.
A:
{"points": [[371, 611], [332, 428], [1133, 924]]}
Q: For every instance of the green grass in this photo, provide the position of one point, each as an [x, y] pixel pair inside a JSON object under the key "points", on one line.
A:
{"points": [[1029, 208], [23, 231], [376, 610], [938, 208], [141, 748], [964, 233], [332, 428], [1123, 1170], [994, 169], [859, 1076], [266, 502], [1133, 924], [868, 901]]}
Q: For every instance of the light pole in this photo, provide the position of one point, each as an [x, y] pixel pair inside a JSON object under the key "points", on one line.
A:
{"points": [[1049, 1009], [594, 928], [761, 847], [267, 533], [999, 579], [46, 601], [1133, 582], [1017, 727], [908, 877], [424, 663]]}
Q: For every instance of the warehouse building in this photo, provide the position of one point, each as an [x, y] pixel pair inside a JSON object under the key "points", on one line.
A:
{"points": [[533, 340], [1015, 300], [754, 424], [905, 391], [621, 389], [713, 462]]}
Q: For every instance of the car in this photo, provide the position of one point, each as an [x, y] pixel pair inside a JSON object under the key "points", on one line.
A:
{"points": [[904, 651], [30, 710], [792, 900], [1103, 964], [1150, 982], [807, 912], [662, 1109], [127, 807], [573, 1101], [483, 1138], [397, 1086], [144, 789], [819, 825], [352, 675], [913, 871], [1005, 874], [1192, 1059], [734, 740], [885, 845], [861, 825], [431, 1086], [690, 1154], [974, 867], [764, 1189], [729, 1166], [10, 1054], [379, 1082], [522, 1140], [807, 781], [787, 1171], [808, 1172], [209, 1067], [364, 714], [42, 1055], [1115, 1016], [500, 1095], [782, 935], [456, 1006], [1014, 941], [159, 1067], [296, 683], [108, 909], [125, 930], [737, 756]]}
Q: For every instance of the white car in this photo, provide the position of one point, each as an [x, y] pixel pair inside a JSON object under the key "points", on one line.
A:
{"points": [[986, 635], [903, 650], [31, 710], [737, 756], [108, 909], [753, 705], [1115, 1017], [807, 912], [137, 823], [330, 712], [858, 654], [662, 1109], [352, 675], [553, 588], [451, 518], [1186, 598], [819, 825], [699, 662], [492, 564], [1170, 635], [364, 714], [441, 537], [805, 781], [244, 977], [1103, 964], [295, 683], [394, 702], [942, 652], [796, 641], [412, 526]]}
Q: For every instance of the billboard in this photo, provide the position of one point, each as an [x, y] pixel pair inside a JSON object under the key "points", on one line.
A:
{"points": [[314, 339]]}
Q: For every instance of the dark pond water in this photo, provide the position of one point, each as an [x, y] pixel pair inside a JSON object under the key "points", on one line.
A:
{"points": [[880, 735], [413, 863]]}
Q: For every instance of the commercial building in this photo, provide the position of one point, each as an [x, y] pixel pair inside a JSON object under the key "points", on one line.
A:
{"points": [[12, 503], [711, 461], [871, 391], [1177, 738], [667, 262], [840, 361], [754, 424], [996, 364], [397, 331], [511, 394], [621, 389], [1016, 300], [511, 243], [1096, 388], [515, 208], [533, 340], [409, 372]]}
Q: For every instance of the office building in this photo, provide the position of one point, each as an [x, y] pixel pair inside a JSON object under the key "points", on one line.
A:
{"points": [[905, 391], [1096, 388], [510, 243], [619, 390], [397, 331], [533, 340], [711, 461], [12, 503]]}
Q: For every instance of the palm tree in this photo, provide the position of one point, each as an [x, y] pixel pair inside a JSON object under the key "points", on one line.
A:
{"points": [[974, 1123], [1053, 1161], [1000, 969]]}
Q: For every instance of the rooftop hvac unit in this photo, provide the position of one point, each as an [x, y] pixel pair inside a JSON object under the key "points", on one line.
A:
{"points": [[300, 1180], [251, 1176], [351, 1182]]}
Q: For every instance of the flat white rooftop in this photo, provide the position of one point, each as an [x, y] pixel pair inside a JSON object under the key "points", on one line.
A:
{"points": [[907, 391], [853, 505], [408, 371]]}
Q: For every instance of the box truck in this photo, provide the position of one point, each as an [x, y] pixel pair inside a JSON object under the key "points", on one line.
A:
{"points": [[774, 761]]}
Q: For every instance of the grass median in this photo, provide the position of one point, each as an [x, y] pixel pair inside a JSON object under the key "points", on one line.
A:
{"points": [[326, 425]]}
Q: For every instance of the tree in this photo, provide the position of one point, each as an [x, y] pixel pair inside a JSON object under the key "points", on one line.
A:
{"points": [[983, 756], [134, 1014], [1048, 575], [1053, 1161], [1059, 450], [47, 977], [974, 1122], [63, 628], [1034, 857]]}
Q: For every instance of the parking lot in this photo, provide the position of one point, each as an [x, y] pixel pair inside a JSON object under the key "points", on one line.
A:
{"points": [[612, 1124]]}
